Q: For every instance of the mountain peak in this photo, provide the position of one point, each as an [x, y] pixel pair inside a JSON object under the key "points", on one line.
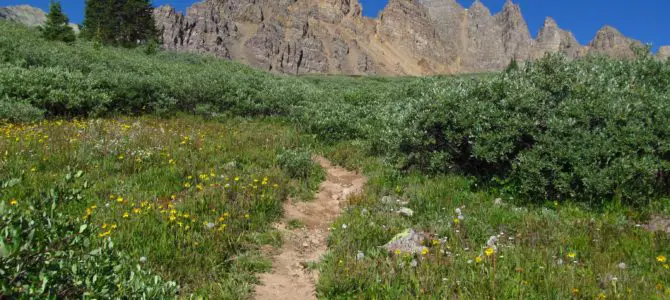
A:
{"points": [[478, 8], [412, 37], [611, 42], [607, 29], [550, 22]]}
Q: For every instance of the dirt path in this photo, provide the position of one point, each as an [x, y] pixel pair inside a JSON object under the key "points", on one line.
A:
{"points": [[289, 278]]}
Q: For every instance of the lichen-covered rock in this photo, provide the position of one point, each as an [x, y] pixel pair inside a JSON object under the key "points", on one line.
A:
{"points": [[408, 241], [407, 212]]}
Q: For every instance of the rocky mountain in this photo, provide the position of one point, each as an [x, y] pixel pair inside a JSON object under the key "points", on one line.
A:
{"points": [[24, 14], [27, 15], [409, 37]]}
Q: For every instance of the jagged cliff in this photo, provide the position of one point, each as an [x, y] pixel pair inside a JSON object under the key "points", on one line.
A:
{"points": [[414, 37], [409, 37]]}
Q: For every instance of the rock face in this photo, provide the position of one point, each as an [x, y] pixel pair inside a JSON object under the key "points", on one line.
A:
{"points": [[27, 15], [663, 53], [24, 14], [552, 39], [609, 41], [285, 36], [409, 37]]}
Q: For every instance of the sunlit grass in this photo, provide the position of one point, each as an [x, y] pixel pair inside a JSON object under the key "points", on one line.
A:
{"points": [[193, 200], [494, 249]]}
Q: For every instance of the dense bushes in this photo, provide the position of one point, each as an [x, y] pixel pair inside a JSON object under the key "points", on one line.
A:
{"points": [[591, 130]]}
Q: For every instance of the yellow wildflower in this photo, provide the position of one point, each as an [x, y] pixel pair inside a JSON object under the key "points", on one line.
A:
{"points": [[478, 259], [200, 187], [187, 184], [424, 251], [398, 252], [436, 242], [137, 210], [226, 214], [237, 179], [667, 266], [119, 199], [575, 291], [13, 202], [661, 259], [172, 218], [125, 215], [489, 251], [104, 226], [572, 254], [247, 216], [114, 226], [602, 296], [456, 220]]}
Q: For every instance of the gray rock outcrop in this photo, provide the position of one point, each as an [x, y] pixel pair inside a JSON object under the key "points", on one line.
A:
{"points": [[27, 15], [409, 37]]}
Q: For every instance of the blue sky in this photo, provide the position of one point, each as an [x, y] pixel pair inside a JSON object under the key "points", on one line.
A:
{"points": [[645, 20]]}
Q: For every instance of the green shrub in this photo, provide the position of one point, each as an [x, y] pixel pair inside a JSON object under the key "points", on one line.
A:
{"points": [[296, 163], [588, 130], [19, 111], [47, 254], [592, 130]]}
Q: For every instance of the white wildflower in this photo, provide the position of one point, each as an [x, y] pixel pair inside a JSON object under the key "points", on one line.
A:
{"points": [[360, 255]]}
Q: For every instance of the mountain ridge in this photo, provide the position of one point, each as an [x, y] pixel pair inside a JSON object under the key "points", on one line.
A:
{"points": [[409, 37]]}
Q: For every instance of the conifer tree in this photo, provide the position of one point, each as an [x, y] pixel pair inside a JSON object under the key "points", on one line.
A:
{"points": [[119, 22], [57, 26]]}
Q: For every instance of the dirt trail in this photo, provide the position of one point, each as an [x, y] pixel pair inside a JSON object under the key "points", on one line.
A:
{"points": [[290, 279]]}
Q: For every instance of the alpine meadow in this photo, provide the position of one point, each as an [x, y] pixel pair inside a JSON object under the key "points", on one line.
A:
{"points": [[136, 172]]}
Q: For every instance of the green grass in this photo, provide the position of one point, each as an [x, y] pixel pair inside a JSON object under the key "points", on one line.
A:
{"points": [[193, 200], [200, 196], [295, 224], [550, 251]]}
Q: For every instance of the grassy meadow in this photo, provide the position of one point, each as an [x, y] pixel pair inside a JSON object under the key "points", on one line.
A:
{"points": [[192, 200], [132, 175]]}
